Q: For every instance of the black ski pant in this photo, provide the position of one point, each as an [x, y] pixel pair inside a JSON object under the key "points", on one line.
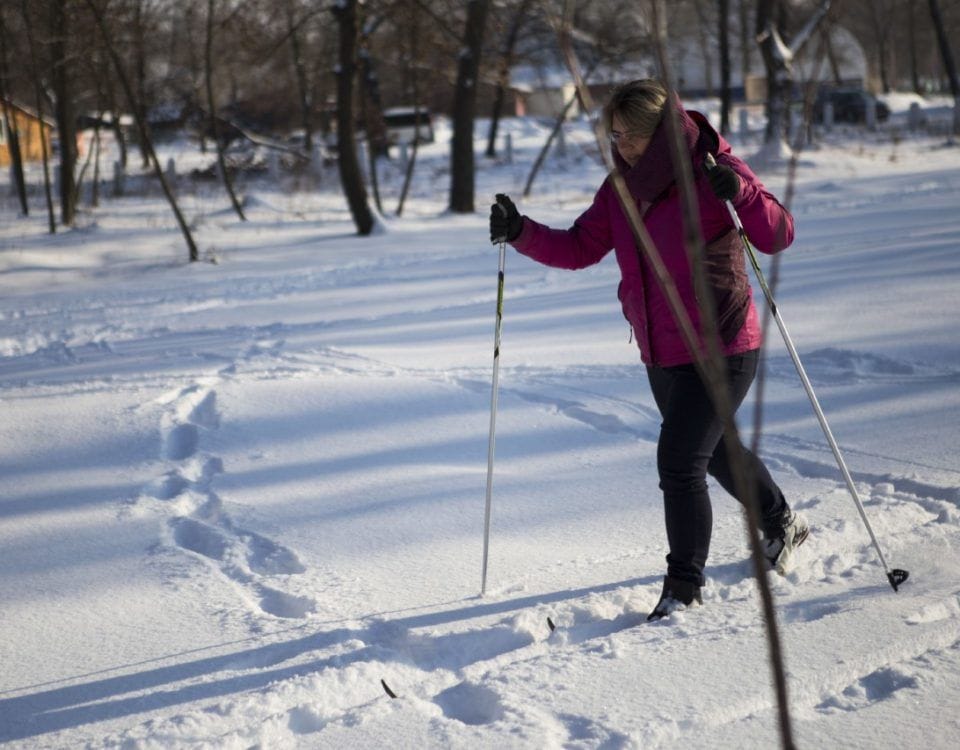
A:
{"points": [[690, 447]]}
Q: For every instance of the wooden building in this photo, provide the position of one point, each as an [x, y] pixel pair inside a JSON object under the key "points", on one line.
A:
{"points": [[28, 125]]}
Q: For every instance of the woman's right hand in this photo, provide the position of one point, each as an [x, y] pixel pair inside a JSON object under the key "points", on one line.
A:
{"points": [[506, 223]]}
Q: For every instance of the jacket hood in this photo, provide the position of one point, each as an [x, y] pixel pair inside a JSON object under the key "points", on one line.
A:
{"points": [[654, 172]]}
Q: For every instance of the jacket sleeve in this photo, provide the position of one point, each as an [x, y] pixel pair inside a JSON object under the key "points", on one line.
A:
{"points": [[582, 245], [767, 223]]}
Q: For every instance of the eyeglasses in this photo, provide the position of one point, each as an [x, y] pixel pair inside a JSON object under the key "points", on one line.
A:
{"points": [[623, 135]]}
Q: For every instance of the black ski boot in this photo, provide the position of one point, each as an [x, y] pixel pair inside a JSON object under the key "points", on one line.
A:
{"points": [[676, 595]]}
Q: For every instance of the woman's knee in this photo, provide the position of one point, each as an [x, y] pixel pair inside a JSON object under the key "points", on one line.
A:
{"points": [[681, 472]]}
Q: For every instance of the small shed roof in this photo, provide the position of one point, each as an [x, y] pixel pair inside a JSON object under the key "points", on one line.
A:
{"points": [[30, 112]]}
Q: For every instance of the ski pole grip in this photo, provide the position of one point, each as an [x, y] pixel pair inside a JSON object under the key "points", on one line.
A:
{"points": [[710, 164], [503, 210]]}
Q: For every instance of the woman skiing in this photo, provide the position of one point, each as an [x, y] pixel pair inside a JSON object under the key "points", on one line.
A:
{"points": [[690, 444]]}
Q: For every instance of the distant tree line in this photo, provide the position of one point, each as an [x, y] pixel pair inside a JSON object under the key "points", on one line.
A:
{"points": [[326, 68]]}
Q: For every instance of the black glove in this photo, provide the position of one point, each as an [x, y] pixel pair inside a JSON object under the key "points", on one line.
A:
{"points": [[506, 223], [724, 182]]}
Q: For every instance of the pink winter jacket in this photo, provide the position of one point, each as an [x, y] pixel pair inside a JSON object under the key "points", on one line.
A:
{"points": [[604, 226]]}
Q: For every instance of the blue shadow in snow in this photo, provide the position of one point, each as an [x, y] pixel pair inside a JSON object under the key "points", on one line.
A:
{"points": [[116, 697]]}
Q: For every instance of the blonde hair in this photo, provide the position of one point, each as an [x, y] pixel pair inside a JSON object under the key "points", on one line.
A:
{"points": [[638, 104]]}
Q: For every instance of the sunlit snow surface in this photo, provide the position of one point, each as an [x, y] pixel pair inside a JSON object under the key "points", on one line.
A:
{"points": [[238, 495]]}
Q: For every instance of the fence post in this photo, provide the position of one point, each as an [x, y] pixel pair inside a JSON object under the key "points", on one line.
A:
{"points": [[273, 164], [316, 162], [915, 117], [795, 125], [871, 113]]}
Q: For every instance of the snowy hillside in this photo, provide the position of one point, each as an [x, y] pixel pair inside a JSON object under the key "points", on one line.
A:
{"points": [[237, 496]]}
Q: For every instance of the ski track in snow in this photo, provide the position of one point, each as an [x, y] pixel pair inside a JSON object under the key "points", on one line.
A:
{"points": [[832, 366]]}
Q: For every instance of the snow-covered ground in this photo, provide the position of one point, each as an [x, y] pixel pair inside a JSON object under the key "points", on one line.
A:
{"points": [[237, 496]]}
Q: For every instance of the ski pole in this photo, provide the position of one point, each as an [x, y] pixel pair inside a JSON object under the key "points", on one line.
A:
{"points": [[493, 404], [897, 575]]}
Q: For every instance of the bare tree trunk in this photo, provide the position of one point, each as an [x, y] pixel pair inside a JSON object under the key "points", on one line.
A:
{"points": [[557, 125], [38, 95], [371, 110], [142, 127], [912, 41], [411, 56], [372, 156], [881, 32], [140, 68], [723, 11], [95, 192], [949, 66], [78, 184], [746, 41], [777, 76], [351, 177], [118, 133], [212, 107], [503, 75], [541, 157], [827, 43], [704, 23], [103, 104], [47, 182], [300, 72], [411, 163], [16, 157], [778, 61], [64, 110], [13, 137], [462, 177]]}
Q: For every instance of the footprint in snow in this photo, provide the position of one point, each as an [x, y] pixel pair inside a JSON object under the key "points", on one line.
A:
{"points": [[884, 683], [281, 604], [470, 704], [266, 557], [589, 733], [204, 411], [181, 442], [943, 610], [202, 527], [200, 537], [168, 486], [194, 409]]}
